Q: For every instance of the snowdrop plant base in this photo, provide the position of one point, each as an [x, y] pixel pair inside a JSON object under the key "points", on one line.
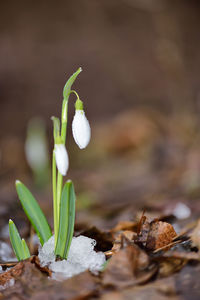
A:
{"points": [[81, 257]]}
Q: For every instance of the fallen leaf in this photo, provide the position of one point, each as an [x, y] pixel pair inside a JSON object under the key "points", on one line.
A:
{"points": [[160, 234], [160, 289], [119, 241], [124, 226], [183, 255], [182, 285], [11, 273], [143, 231], [169, 265], [195, 235], [44, 269], [129, 266], [32, 284]]}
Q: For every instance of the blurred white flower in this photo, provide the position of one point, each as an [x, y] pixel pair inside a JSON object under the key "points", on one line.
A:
{"points": [[81, 129], [62, 160]]}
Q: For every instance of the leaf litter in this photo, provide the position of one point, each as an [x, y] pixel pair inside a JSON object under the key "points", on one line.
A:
{"points": [[155, 256], [138, 259]]}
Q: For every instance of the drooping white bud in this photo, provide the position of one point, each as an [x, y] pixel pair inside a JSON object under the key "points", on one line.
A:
{"points": [[62, 160], [81, 129]]}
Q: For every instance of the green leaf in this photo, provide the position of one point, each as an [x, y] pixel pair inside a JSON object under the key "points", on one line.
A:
{"points": [[26, 250], [33, 212], [67, 217], [19, 246], [69, 83]]}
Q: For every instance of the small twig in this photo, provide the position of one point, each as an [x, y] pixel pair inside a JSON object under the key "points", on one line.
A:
{"points": [[166, 246], [141, 222]]}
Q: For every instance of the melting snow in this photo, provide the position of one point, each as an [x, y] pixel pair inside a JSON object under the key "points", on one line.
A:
{"points": [[6, 253], [181, 211], [81, 257]]}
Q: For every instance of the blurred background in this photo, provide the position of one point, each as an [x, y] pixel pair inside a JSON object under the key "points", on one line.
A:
{"points": [[140, 87]]}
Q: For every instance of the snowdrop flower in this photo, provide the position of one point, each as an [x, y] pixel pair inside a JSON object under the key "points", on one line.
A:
{"points": [[62, 160], [81, 129], [80, 126]]}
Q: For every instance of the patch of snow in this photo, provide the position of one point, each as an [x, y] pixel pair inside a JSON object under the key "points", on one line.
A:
{"points": [[181, 211], [81, 257], [8, 284], [5, 232], [6, 253]]}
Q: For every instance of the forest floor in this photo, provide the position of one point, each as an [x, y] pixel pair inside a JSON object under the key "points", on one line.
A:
{"points": [[138, 197]]}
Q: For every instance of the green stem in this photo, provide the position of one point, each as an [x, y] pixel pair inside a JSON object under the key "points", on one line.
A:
{"points": [[59, 192], [64, 119], [63, 137], [73, 91], [55, 206]]}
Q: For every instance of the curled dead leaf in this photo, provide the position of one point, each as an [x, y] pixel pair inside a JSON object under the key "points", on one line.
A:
{"points": [[160, 234], [156, 234], [129, 266]]}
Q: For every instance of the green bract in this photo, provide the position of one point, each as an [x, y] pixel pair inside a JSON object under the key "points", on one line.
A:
{"points": [[63, 197]]}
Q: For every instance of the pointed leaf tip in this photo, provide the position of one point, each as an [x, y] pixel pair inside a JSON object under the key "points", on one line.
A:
{"points": [[70, 81], [16, 241], [34, 213]]}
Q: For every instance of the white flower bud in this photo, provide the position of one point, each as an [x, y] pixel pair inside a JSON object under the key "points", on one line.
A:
{"points": [[81, 129], [62, 160]]}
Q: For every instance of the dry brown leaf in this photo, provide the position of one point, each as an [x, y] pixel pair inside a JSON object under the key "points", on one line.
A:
{"points": [[160, 289], [143, 231], [160, 234], [166, 247], [32, 284], [124, 226], [195, 235], [11, 273], [118, 243], [170, 265], [183, 255], [128, 266], [44, 269], [156, 234]]}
